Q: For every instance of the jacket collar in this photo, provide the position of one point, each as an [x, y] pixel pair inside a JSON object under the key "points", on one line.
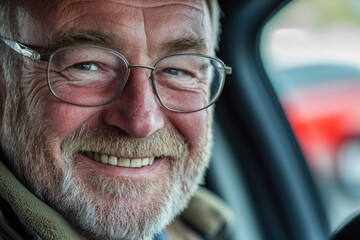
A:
{"points": [[31, 211]]}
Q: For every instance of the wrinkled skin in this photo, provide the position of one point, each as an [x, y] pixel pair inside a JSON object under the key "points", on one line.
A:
{"points": [[45, 147]]}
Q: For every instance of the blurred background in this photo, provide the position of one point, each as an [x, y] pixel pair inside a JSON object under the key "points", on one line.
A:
{"points": [[311, 53]]}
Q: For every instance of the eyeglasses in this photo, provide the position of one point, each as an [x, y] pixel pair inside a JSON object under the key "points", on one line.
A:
{"points": [[88, 75]]}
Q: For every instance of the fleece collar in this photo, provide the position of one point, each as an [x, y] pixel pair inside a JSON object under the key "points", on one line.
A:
{"points": [[32, 212], [206, 215], [40, 219]]}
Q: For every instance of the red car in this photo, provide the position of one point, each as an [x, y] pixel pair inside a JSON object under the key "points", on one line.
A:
{"points": [[322, 103]]}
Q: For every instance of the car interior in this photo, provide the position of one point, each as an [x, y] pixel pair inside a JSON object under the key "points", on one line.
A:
{"points": [[260, 166]]}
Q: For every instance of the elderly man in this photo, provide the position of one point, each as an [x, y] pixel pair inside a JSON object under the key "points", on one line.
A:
{"points": [[105, 113]]}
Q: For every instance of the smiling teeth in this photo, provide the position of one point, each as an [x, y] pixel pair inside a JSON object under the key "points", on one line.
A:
{"points": [[121, 162]]}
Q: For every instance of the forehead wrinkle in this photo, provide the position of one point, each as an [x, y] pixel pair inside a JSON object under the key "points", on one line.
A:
{"points": [[67, 13], [71, 35], [61, 6], [142, 4], [188, 41]]}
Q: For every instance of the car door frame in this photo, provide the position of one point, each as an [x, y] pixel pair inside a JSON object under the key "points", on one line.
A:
{"points": [[283, 193]]}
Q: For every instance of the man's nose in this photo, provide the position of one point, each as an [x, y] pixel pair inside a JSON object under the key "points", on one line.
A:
{"points": [[136, 110]]}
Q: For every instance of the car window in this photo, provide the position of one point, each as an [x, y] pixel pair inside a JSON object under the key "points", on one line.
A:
{"points": [[311, 54]]}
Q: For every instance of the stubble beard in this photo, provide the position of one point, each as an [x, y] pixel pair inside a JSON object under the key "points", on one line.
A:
{"points": [[100, 206]]}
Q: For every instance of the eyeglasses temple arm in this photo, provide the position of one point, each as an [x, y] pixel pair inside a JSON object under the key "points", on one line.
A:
{"points": [[22, 49], [228, 70]]}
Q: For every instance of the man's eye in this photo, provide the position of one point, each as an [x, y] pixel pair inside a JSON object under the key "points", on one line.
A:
{"points": [[86, 66], [174, 71]]}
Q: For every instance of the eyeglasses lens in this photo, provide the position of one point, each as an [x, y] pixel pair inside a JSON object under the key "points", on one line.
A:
{"points": [[93, 76]]}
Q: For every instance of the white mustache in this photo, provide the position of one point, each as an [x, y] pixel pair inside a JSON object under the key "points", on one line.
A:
{"points": [[163, 143]]}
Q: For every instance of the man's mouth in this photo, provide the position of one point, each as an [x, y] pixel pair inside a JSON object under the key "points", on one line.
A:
{"points": [[121, 162]]}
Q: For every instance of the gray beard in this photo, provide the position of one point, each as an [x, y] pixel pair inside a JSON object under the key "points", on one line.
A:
{"points": [[103, 207]]}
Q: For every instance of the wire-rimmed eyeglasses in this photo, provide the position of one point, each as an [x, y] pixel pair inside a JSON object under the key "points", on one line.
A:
{"points": [[89, 75]]}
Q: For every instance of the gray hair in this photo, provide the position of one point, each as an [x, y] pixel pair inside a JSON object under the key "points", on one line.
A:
{"points": [[5, 13], [215, 14], [8, 28]]}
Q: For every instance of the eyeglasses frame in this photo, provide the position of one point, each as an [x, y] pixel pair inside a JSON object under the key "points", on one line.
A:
{"points": [[36, 56]]}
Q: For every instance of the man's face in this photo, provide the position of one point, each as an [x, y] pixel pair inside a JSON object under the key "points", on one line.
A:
{"points": [[57, 148]]}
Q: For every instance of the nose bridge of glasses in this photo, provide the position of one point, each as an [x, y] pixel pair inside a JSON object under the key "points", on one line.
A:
{"points": [[146, 67], [141, 66]]}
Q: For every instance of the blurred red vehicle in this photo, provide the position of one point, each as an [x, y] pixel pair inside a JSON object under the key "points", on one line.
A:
{"points": [[322, 103]]}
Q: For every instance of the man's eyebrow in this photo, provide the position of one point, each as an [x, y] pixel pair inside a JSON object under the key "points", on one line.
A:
{"points": [[73, 38], [192, 44], [185, 44]]}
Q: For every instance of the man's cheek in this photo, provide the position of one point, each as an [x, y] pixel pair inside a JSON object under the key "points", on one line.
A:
{"points": [[62, 119], [193, 126]]}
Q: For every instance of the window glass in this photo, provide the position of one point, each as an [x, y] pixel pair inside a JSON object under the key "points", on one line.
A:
{"points": [[311, 53]]}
